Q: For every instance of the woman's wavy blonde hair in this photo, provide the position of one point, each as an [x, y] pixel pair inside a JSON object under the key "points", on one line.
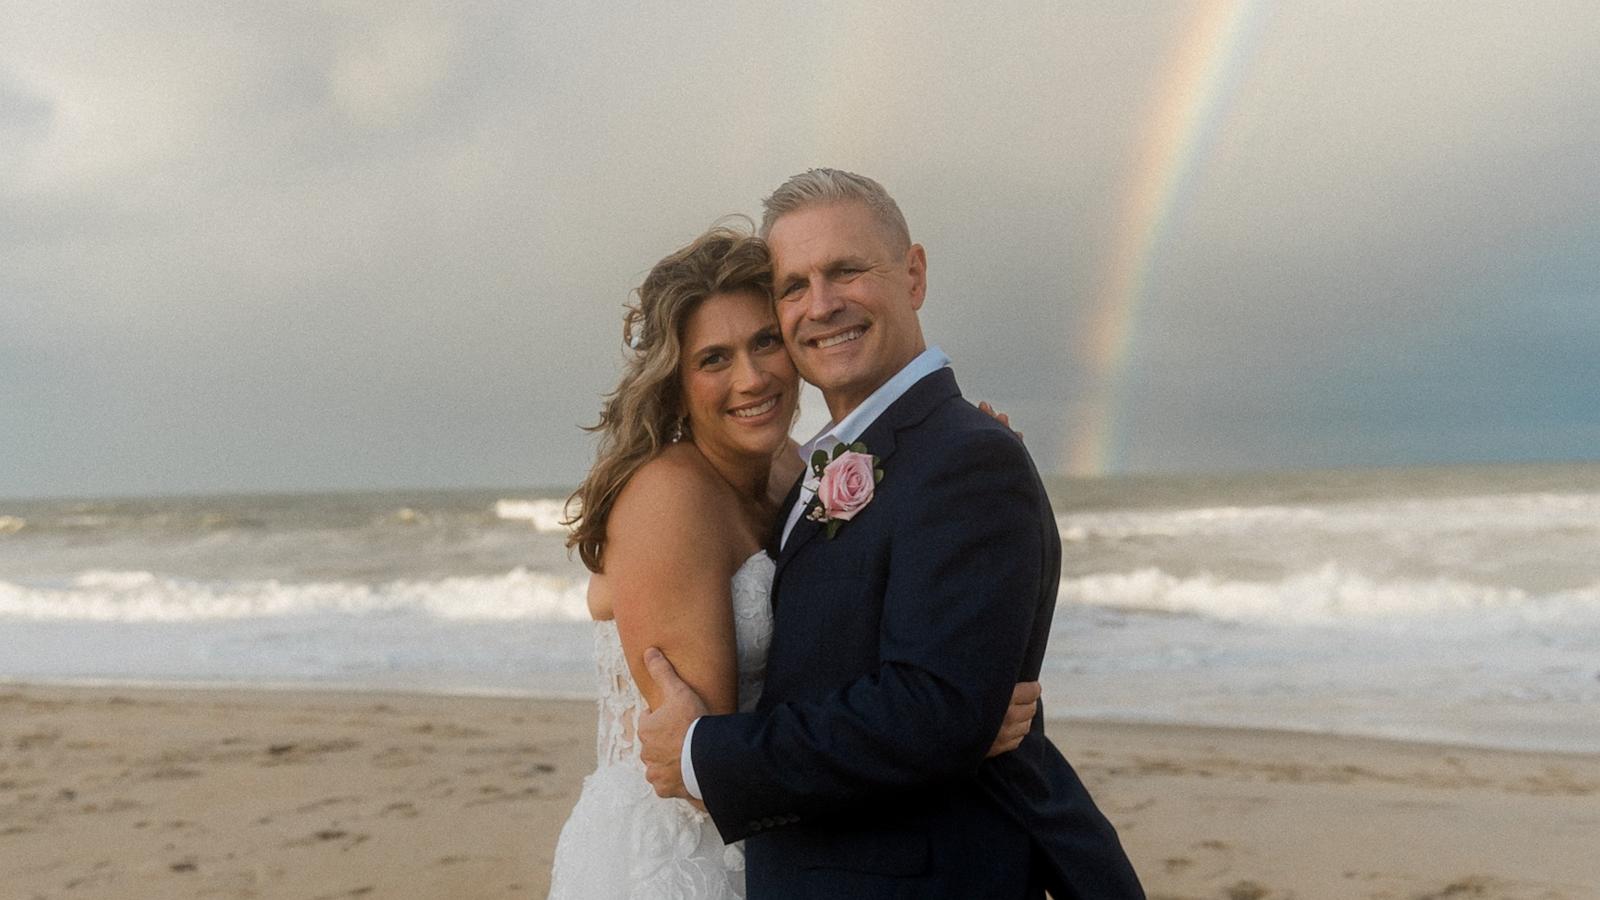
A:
{"points": [[645, 412]]}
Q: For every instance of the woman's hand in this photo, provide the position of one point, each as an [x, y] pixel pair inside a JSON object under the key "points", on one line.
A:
{"points": [[1000, 417], [1019, 718]]}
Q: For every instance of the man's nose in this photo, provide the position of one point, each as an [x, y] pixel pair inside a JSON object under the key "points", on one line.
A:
{"points": [[822, 300]]}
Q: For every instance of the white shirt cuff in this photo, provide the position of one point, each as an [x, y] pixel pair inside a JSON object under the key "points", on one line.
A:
{"points": [[689, 782]]}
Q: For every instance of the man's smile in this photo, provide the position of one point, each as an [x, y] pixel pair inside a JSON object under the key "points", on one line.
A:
{"points": [[837, 338]]}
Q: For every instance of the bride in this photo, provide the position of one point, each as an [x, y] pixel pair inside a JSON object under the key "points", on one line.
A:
{"points": [[673, 521]]}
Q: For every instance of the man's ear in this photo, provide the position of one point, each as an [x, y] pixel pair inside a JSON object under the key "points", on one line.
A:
{"points": [[917, 268]]}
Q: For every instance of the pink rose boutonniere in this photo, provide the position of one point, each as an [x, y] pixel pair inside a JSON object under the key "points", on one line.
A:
{"points": [[845, 484]]}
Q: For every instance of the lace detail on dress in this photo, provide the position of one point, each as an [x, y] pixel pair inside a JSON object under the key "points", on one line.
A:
{"points": [[622, 841], [619, 699], [752, 625]]}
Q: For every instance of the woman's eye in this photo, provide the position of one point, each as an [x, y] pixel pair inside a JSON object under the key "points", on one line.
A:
{"points": [[710, 359], [767, 340]]}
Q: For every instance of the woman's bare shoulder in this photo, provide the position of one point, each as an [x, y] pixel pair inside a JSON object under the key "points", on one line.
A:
{"points": [[675, 475], [665, 549], [676, 497]]}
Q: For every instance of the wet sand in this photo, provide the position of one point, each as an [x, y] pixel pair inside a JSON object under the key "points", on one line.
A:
{"points": [[135, 793]]}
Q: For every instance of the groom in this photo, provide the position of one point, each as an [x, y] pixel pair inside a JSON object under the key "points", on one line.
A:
{"points": [[906, 607]]}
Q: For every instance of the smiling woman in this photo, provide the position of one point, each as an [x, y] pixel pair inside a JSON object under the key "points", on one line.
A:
{"points": [[739, 386], [650, 409], [672, 523]]}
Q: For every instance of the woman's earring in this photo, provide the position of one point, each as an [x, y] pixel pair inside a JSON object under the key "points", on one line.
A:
{"points": [[681, 430]]}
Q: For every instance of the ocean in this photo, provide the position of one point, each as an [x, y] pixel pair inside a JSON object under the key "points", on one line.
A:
{"points": [[1450, 604]]}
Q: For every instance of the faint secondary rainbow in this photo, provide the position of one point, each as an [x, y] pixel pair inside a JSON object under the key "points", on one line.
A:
{"points": [[1201, 76]]}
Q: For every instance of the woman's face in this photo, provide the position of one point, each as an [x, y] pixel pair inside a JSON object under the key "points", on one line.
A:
{"points": [[739, 386]]}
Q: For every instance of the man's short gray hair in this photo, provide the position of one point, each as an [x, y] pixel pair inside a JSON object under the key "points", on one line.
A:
{"points": [[817, 187]]}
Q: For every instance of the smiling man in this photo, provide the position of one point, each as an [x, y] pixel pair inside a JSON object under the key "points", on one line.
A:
{"points": [[848, 282], [905, 609]]}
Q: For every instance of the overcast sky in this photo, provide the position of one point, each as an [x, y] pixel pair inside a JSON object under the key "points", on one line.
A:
{"points": [[301, 246]]}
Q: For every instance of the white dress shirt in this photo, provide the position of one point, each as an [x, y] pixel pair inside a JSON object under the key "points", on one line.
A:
{"points": [[845, 431]]}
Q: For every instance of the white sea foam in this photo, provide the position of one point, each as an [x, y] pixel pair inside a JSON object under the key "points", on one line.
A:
{"points": [[1483, 514], [136, 596], [546, 515], [1330, 595]]}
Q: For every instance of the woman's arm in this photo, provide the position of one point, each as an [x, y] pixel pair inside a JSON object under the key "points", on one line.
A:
{"points": [[670, 571]]}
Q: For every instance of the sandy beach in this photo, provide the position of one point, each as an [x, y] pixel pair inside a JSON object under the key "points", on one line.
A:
{"points": [[126, 793]]}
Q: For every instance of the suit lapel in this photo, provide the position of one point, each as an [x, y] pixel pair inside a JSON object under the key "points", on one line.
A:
{"points": [[911, 408], [804, 530]]}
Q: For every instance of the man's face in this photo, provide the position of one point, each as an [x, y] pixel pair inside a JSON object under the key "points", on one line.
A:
{"points": [[847, 296]]}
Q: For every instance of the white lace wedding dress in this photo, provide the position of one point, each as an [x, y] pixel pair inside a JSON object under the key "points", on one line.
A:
{"points": [[622, 841]]}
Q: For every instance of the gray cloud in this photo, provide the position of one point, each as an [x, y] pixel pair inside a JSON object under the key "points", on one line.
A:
{"points": [[247, 247]]}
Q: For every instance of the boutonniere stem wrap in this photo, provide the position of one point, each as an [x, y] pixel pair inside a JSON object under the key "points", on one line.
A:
{"points": [[845, 484]]}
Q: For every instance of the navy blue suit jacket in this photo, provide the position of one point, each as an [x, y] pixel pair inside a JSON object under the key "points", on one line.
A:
{"points": [[895, 649]]}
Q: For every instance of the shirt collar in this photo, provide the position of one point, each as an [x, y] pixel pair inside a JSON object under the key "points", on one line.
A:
{"points": [[856, 422]]}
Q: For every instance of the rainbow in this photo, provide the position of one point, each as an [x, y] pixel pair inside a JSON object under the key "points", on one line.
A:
{"points": [[1201, 76]]}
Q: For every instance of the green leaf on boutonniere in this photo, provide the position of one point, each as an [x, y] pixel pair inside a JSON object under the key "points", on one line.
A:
{"points": [[833, 527], [877, 475], [857, 447], [819, 461]]}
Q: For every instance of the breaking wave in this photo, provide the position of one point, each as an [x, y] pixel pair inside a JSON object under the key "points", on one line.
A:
{"points": [[1329, 595], [545, 515], [138, 596], [1500, 514]]}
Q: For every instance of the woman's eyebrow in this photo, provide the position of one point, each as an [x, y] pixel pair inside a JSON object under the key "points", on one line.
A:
{"points": [[709, 348]]}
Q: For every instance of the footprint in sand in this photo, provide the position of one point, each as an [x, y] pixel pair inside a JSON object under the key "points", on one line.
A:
{"points": [[292, 753], [1480, 886], [1214, 858], [400, 757], [496, 794], [326, 802], [448, 730], [116, 805], [1247, 890], [345, 839], [170, 773], [1176, 864], [36, 739]]}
